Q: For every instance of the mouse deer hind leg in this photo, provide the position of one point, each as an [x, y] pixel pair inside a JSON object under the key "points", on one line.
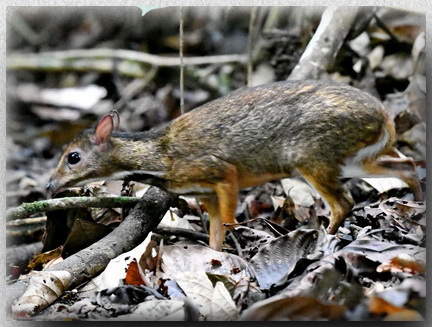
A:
{"points": [[326, 180], [402, 168]]}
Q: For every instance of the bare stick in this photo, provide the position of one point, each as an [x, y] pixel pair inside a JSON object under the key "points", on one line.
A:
{"points": [[326, 42], [103, 60], [27, 209], [181, 63], [251, 40], [187, 233]]}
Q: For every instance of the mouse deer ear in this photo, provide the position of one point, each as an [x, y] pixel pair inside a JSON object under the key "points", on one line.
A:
{"points": [[116, 119], [103, 129]]}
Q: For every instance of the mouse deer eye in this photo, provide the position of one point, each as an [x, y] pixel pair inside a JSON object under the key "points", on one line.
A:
{"points": [[73, 158]]}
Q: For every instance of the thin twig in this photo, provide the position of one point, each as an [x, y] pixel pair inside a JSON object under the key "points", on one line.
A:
{"points": [[384, 27], [20, 25], [136, 87], [28, 209], [181, 63], [190, 234], [236, 243], [251, 42], [201, 216]]}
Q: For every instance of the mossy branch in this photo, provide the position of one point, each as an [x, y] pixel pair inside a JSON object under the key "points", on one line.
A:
{"points": [[27, 209]]}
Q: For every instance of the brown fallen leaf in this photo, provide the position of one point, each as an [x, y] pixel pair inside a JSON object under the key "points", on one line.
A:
{"points": [[133, 275], [147, 260], [403, 263], [380, 306], [45, 257]]}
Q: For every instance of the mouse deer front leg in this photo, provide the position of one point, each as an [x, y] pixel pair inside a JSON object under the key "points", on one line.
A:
{"points": [[222, 210]]}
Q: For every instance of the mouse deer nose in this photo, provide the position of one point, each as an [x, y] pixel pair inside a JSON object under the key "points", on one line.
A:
{"points": [[50, 187]]}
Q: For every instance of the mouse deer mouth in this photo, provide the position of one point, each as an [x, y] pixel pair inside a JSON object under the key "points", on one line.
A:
{"points": [[55, 186]]}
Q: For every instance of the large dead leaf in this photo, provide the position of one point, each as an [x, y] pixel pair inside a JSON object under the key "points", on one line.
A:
{"points": [[292, 308], [213, 303], [275, 260], [198, 287], [115, 270], [186, 258], [223, 307], [83, 234], [383, 185], [329, 279], [384, 251]]}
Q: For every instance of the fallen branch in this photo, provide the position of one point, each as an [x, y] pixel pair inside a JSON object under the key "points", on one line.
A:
{"points": [[27, 209], [91, 261], [127, 62], [322, 49], [24, 227]]}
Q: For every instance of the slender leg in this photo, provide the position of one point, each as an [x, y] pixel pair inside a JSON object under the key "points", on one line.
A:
{"points": [[402, 168], [222, 210], [227, 192], [217, 230], [325, 179]]}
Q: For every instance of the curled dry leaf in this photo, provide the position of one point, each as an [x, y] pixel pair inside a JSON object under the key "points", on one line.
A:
{"points": [[43, 289], [402, 207], [243, 292], [149, 259]]}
